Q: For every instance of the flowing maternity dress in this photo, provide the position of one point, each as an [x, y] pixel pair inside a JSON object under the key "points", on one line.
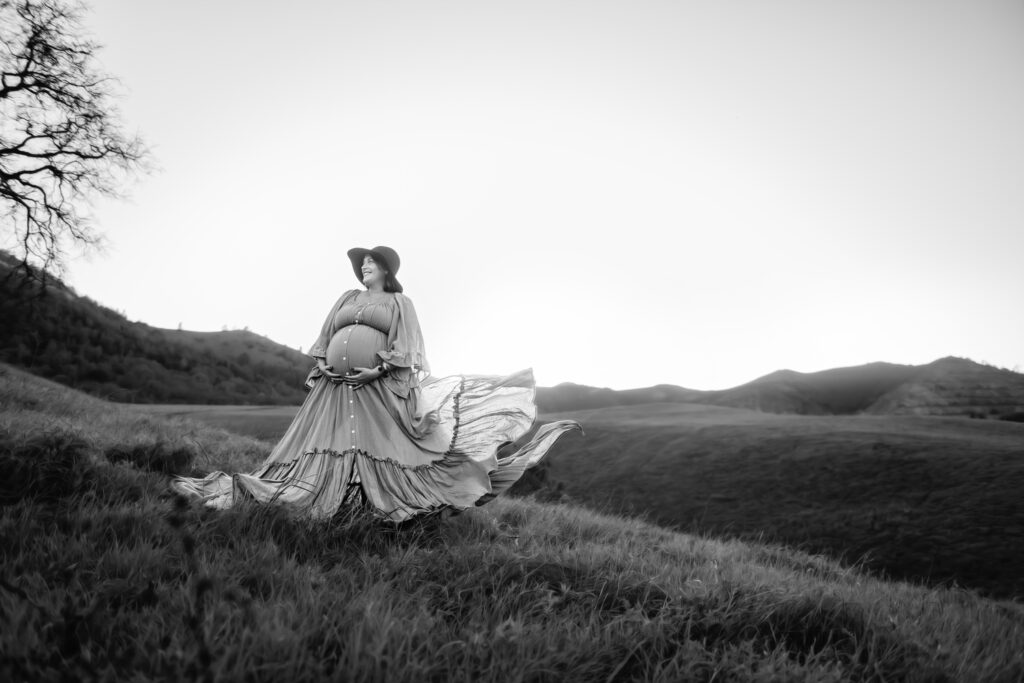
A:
{"points": [[406, 444]]}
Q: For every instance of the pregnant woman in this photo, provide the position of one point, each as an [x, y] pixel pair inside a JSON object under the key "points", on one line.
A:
{"points": [[375, 428]]}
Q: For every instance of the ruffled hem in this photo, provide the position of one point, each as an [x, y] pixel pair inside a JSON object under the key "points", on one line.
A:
{"points": [[322, 482], [482, 413]]}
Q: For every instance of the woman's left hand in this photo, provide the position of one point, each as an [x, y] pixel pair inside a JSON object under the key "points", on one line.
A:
{"points": [[358, 377]]}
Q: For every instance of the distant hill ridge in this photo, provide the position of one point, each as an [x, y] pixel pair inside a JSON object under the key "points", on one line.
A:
{"points": [[947, 386]]}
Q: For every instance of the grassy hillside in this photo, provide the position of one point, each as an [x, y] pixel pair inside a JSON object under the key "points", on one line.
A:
{"points": [[106, 577], [929, 498], [73, 340], [261, 422], [955, 386]]}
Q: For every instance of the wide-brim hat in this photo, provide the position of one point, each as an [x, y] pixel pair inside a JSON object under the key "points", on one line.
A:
{"points": [[383, 255]]}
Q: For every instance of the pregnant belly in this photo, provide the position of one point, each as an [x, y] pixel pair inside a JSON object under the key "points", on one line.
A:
{"points": [[355, 346]]}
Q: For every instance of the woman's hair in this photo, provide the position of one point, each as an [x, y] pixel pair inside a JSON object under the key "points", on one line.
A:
{"points": [[390, 285]]}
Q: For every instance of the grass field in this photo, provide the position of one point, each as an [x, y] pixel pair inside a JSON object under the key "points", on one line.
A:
{"points": [[108, 577], [932, 499]]}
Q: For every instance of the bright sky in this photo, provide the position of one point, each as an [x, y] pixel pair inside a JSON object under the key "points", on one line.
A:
{"points": [[614, 193]]}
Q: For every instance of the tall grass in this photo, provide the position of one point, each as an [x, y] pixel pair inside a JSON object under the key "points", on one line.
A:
{"points": [[107, 576]]}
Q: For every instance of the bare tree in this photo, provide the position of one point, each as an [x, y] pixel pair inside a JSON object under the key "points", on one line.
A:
{"points": [[61, 141]]}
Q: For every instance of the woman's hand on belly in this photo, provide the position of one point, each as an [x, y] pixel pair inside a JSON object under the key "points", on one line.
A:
{"points": [[328, 371], [359, 377]]}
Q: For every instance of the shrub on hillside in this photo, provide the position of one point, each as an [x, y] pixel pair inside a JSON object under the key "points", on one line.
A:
{"points": [[45, 467]]}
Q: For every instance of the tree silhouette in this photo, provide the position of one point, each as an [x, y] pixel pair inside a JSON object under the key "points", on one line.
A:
{"points": [[61, 141]]}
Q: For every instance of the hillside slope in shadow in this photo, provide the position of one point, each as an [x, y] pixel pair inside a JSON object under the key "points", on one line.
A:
{"points": [[917, 497]]}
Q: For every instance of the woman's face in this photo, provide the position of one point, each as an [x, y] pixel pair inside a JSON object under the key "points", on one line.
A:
{"points": [[373, 273]]}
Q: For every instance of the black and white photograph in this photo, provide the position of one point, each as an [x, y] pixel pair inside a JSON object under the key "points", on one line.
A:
{"points": [[512, 341]]}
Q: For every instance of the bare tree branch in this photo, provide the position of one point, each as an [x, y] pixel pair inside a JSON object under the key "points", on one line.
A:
{"points": [[61, 140]]}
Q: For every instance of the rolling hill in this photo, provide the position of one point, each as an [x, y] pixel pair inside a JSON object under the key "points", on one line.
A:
{"points": [[840, 391], [917, 497], [56, 333], [569, 396]]}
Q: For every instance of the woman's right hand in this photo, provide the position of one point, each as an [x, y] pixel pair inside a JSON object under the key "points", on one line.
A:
{"points": [[328, 372]]}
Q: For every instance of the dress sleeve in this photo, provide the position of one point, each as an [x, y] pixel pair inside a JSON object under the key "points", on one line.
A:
{"points": [[319, 348], [405, 353]]}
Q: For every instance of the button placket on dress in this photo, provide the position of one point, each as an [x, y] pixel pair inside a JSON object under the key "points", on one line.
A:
{"points": [[352, 392], [352, 416]]}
